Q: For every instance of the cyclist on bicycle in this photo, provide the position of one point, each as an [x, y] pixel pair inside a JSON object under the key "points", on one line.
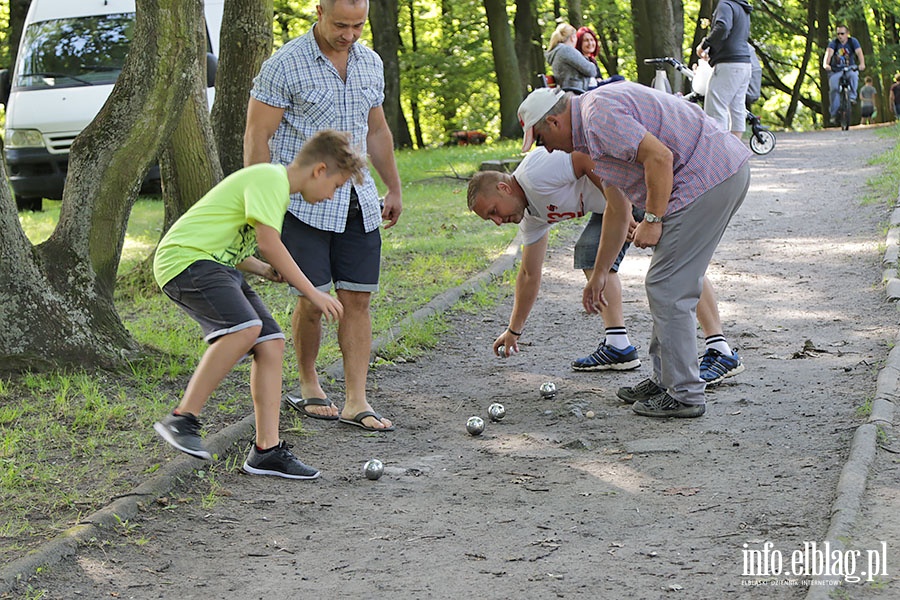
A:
{"points": [[843, 51]]}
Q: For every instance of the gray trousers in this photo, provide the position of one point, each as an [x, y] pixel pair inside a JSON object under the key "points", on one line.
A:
{"points": [[675, 279]]}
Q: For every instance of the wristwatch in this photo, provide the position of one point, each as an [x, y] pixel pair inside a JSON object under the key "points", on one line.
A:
{"points": [[651, 218]]}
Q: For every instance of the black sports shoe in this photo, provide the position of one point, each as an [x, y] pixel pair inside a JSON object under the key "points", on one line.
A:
{"points": [[279, 462], [640, 392], [663, 405], [183, 432]]}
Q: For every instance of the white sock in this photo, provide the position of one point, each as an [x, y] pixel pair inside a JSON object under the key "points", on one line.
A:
{"points": [[718, 342], [617, 337]]}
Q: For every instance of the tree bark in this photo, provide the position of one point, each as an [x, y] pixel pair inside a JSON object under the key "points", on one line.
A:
{"points": [[506, 67], [528, 45], [17, 11], [383, 16], [245, 42], [575, 13], [658, 32], [57, 305]]}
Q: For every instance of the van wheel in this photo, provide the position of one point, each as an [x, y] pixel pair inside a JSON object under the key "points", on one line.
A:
{"points": [[32, 204]]}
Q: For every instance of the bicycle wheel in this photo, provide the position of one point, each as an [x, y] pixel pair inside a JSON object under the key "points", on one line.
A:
{"points": [[844, 113], [762, 142]]}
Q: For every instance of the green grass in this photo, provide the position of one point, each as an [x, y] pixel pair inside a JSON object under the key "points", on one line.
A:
{"points": [[70, 441]]}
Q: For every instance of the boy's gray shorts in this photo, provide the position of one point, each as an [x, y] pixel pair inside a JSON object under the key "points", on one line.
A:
{"points": [[221, 301]]}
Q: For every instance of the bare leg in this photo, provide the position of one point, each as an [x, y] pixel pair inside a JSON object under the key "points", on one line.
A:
{"points": [[708, 310], [612, 313], [355, 339], [265, 387], [218, 360], [306, 327]]}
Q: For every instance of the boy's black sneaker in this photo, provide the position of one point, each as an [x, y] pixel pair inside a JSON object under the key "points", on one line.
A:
{"points": [[279, 462], [183, 432]]}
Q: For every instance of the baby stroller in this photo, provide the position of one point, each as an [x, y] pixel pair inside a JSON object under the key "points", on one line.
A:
{"points": [[762, 141]]}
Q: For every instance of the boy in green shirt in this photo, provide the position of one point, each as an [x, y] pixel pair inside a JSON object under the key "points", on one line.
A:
{"points": [[197, 264]]}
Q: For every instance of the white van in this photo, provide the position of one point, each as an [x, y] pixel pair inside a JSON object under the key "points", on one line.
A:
{"points": [[69, 58]]}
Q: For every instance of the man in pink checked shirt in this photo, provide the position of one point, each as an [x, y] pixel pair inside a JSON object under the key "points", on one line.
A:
{"points": [[669, 158]]}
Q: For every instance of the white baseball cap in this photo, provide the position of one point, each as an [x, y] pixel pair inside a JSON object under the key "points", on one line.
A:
{"points": [[533, 108]]}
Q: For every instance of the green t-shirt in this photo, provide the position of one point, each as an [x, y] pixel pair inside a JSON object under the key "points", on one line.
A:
{"points": [[221, 225]]}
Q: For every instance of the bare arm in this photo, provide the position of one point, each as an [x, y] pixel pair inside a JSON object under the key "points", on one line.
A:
{"points": [[381, 152], [826, 62], [262, 122], [528, 284], [860, 59], [617, 220], [257, 267], [657, 161], [273, 250]]}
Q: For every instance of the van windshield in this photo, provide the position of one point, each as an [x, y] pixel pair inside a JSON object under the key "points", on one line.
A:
{"points": [[74, 52]]}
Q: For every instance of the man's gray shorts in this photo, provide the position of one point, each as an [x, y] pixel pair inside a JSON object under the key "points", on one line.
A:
{"points": [[351, 260], [589, 241]]}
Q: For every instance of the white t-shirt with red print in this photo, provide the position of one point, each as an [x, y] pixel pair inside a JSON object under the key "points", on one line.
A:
{"points": [[553, 192]]}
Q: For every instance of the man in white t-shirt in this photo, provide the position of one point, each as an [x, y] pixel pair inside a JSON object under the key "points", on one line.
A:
{"points": [[547, 188]]}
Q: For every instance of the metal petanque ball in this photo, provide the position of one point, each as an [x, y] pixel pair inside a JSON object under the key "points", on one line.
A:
{"points": [[496, 411], [373, 469], [475, 425], [548, 390], [501, 351]]}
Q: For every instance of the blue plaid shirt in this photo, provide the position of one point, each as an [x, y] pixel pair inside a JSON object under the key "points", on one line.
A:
{"points": [[304, 82]]}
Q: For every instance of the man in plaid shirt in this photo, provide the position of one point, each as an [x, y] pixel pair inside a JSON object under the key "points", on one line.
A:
{"points": [[669, 158], [326, 80]]}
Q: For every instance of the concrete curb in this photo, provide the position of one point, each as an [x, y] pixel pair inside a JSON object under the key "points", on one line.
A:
{"points": [[101, 523], [851, 486]]}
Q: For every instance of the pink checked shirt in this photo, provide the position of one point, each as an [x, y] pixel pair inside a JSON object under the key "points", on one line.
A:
{"points": [[608, 123]]}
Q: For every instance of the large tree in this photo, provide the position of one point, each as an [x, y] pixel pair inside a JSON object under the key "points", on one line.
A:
{"points": [[245, 42], [658, 32], [506, 67], [56, 302], [384, 15]]}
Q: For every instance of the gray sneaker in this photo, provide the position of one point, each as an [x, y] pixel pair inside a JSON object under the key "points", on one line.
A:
{"points": [[183, 432], [642, 391], [279, 462], [664, 405]]}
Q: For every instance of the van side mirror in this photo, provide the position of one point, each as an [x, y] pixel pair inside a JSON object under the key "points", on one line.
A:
{"points": [[4, 86], [212, 64]]}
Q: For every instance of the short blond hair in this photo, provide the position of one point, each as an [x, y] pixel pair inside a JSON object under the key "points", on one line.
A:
{"points": [[334, 148], [481, 183], [562, 33]]}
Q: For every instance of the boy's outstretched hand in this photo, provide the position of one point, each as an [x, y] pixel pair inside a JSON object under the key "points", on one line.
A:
{"points": [[330, 306]]}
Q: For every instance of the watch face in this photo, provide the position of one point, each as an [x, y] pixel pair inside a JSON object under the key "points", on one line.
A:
{"points": [[651, 218]]}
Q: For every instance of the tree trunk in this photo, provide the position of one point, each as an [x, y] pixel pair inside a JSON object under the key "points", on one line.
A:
{"points": [[528, 45], [506, 66], [575, 13], [804, 66], [414, 93], [383, 15], [658, 32], [822, 35], [245, 42], [59, 306], [17, 11]]}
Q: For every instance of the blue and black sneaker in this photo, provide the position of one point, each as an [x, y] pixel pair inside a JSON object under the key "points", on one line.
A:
{"points": [[608, 358], [715, 366]]}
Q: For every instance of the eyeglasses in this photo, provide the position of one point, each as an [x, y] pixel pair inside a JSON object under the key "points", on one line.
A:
{"points": [[842, 33]]}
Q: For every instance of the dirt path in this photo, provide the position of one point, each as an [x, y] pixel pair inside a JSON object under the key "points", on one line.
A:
{"points": [[550, 503]]}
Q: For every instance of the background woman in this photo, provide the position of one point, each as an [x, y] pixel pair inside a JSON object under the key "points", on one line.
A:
{"points": [[570, 68]]}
